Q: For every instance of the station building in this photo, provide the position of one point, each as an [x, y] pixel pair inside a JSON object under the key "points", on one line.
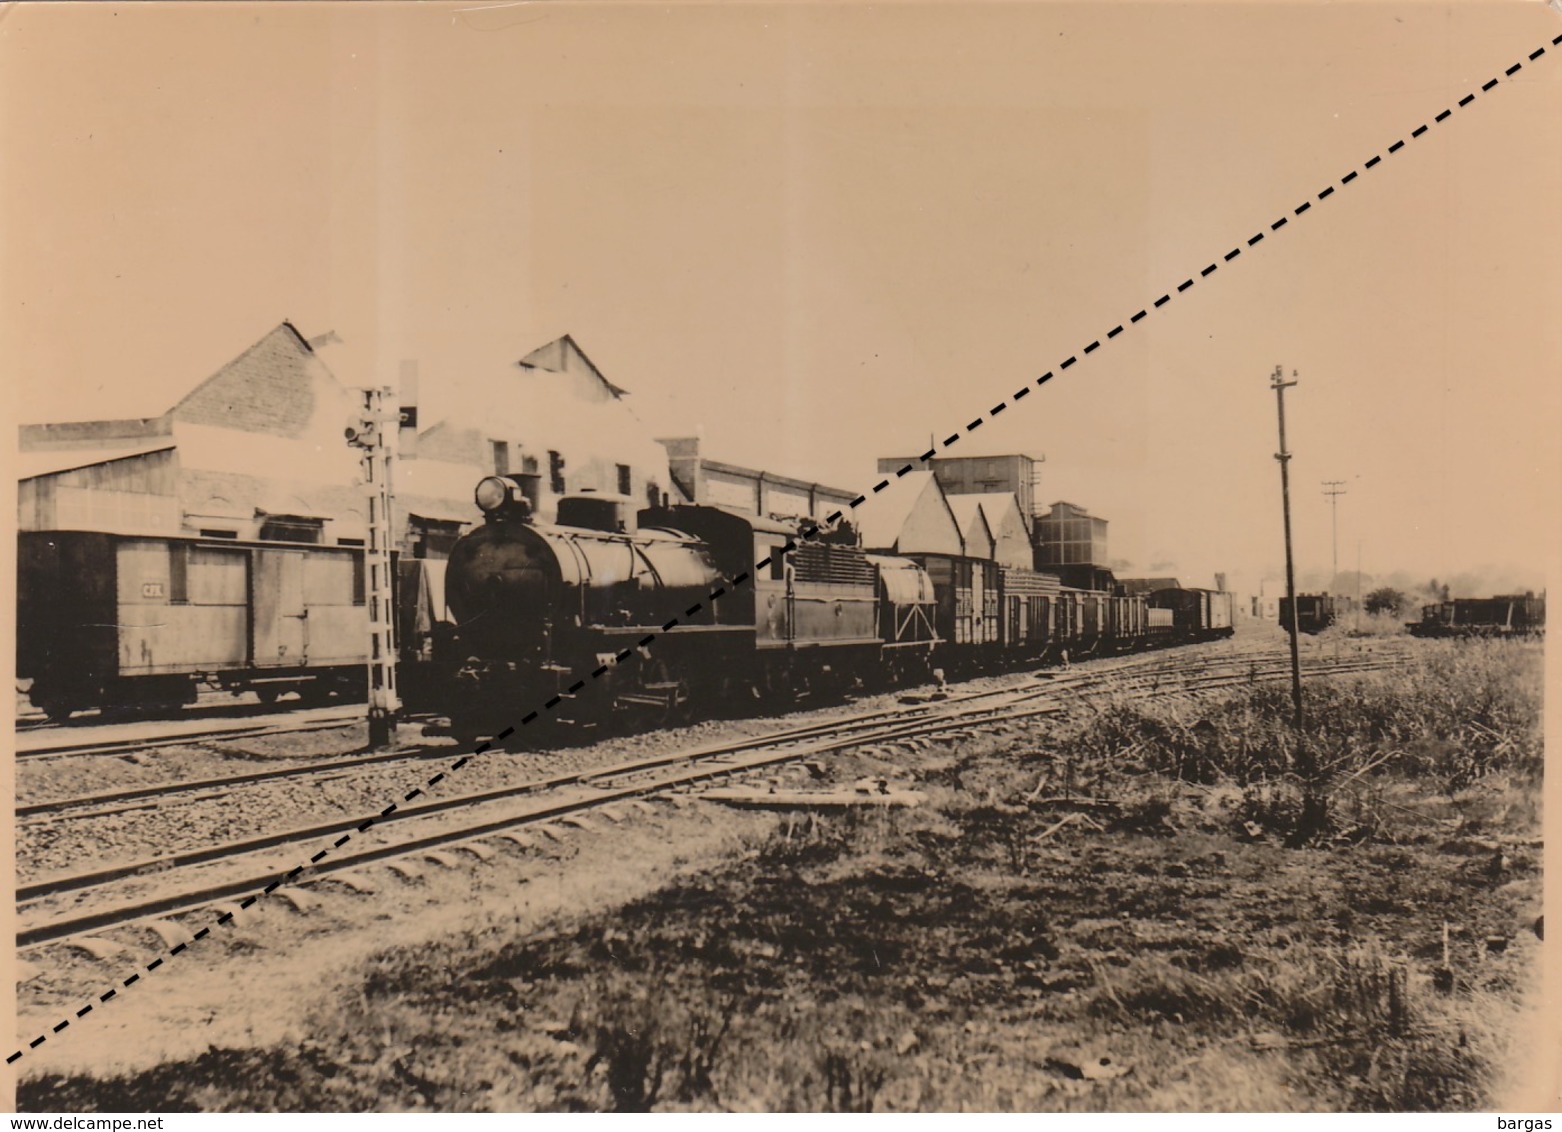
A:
{"points": [[554, 422]]}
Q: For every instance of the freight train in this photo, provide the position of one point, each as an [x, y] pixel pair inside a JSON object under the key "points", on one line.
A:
{"points": [[115, 621], [760, 612], [1503, 616]]}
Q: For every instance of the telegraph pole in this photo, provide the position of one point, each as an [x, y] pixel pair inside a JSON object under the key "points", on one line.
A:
{"points": [[1280, 385], [374, 430], [1334, 489]]}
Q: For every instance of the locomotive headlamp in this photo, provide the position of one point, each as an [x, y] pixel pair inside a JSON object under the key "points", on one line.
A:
{"points": [[492, 494]]}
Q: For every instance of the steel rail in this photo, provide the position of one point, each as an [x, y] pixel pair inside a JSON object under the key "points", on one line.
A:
{"points": [[758, 757], [54, 930]]}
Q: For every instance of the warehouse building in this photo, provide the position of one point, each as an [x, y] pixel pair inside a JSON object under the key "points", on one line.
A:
{"points": [[715, 483], [975, 533], [1005, 523], [554, 422], [1071, 543], [256, 451], [910, 516], [1015, 474]]}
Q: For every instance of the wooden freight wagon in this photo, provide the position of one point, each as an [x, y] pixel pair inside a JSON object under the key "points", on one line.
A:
{"points": [[1315, 612], [110, 620], [1028, 601], [1127, 626], [1197, 614], [967, 590]]}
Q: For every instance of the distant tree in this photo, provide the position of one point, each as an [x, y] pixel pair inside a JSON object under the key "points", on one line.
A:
{"points": [[1385, 599]]}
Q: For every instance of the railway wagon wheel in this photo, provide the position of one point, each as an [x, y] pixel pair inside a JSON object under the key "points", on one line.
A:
{"points": [[58, 704]]}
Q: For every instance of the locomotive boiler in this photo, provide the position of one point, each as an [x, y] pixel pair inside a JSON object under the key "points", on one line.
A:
{"points": [[536, 604]]}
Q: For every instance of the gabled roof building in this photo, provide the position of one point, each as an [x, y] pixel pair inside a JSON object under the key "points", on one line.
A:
{"points": [[1010, 538], [910, 516], [975, 533], [256, 451]]}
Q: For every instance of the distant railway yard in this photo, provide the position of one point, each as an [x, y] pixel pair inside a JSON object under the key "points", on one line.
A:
{"points": [[150, 832]]}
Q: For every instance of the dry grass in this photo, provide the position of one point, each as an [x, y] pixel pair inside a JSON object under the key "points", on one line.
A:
{"points": [[1454, 714], [975, 952]]}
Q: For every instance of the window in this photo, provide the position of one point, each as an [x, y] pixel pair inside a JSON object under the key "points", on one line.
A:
{"points": [[777, 563], [291, 528], [624, 482], [556, 472], [501, 457], [205, 533], [432, 538], [179, 574], [360, 579]]}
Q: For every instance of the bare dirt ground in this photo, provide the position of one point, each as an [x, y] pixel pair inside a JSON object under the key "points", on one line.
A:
{"points": [[1126, 912]]}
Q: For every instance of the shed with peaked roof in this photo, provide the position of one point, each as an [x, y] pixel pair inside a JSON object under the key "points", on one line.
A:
{"points": [[974, 530], [1006, 520], [910, 516]]}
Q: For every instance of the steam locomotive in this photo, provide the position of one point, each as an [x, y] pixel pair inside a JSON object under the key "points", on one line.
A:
{"points": [[721, 606]]}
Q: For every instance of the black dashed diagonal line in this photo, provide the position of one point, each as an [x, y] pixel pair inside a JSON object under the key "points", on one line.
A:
{"points": [[809, 531]]}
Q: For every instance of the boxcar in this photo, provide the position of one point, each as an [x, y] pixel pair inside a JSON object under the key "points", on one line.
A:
{"points": [[107, 619], [1127, 626], [1314, 612], [1222, 612], [967, 591], [1197, 615]]}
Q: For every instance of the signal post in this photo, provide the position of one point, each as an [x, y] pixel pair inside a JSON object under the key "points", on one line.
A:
{"points": [[374, 429]]}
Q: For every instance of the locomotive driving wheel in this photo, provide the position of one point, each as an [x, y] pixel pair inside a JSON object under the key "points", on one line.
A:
{"points": [[670, 685]]}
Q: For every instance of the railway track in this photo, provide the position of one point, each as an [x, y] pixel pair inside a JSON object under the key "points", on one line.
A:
{"points": [[167, 738], [215, 873], [217, 786], [1125, 672]]}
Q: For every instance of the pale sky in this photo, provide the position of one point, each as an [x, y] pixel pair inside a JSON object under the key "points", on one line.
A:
{"points": [[817, 234]]}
